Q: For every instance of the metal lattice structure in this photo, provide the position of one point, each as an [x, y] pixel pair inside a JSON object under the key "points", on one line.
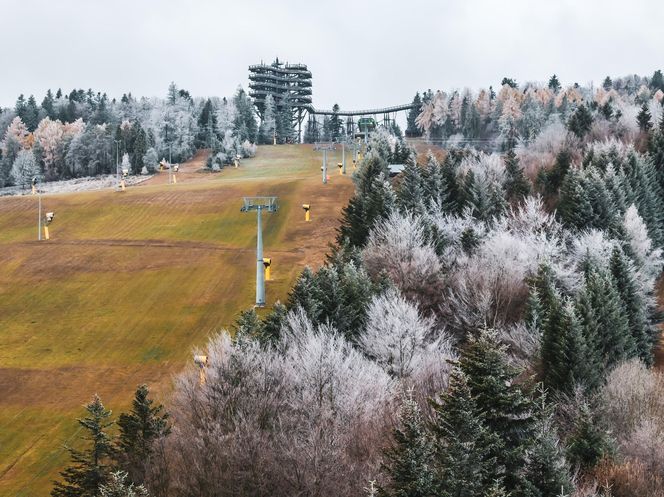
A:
{"points": [[259, 204], [282, 80]]}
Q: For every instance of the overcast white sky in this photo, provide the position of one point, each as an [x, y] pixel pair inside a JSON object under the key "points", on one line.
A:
{"points": [[362, 54]]}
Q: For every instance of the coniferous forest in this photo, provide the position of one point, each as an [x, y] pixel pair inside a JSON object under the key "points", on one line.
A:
{"points": [[486, 323]]}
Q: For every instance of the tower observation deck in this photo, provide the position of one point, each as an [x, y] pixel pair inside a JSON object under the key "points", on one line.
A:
{"points": [[292, 81]]}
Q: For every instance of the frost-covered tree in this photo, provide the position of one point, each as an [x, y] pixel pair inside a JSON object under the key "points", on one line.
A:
{"points": [[118, 486], [399, 338], [268, 125], [24, 169]]}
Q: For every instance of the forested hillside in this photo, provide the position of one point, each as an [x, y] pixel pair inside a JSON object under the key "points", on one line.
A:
{"points": [[84, 133], [485, 324]]}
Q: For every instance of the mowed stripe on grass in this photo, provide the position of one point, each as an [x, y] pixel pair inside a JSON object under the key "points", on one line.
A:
{"points": [[130, 282]]}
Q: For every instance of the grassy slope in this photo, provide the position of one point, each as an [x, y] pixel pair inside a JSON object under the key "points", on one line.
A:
{"points": [[129, 283]]}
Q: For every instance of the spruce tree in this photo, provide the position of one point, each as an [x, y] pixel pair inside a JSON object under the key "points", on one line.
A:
{"points": [[465, 449], [604, 319], [643, 334], [139, 429], [657, 81], [554, 84], [643, 118], [303, 294], [607, 84], [410, 193], [248, 324], [335, 124], [516, 185], [408, 461], [412, 129], [580, 121], [90, 467], [575, 208], [508, 410], [589, 442], [546, 472]]}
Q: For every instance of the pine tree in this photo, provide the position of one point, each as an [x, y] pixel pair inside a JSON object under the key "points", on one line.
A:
{"points": [[657, 81], [303, 294], [575, 208], [546, 472], [408, 462], [272, 323], [603, 318], [516, 185], [335, 124], [644, 335], [412, 129], [588, 443], [508, 410], [140, 148], [31, 114], [643, 118], [268, 127], [464, 448], [284, 121], [91, 467], [607, 84], [580, 121], [139, 429], [554, 84], [248, 324], [48, 104], [410, 194]]}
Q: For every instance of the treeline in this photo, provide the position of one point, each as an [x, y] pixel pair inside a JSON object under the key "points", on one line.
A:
{"points": [[87, 134], [484, 326], [489, 118]]}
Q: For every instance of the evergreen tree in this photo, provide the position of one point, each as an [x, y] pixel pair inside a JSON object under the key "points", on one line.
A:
{"points": [[244, 123], [139, 429], [464, 448], [284, 124], [91, 467], [268, 127], [303, 294], [412, 129], [580, 121], [643, 118], [139, 149], [31, 114], [657, 81], [248, 324], [373, 200], [408, 461], [603, 318], [516, 185], [410, 194], [546, 473], [271, 329], [553, 178], [207, 126], [588, 443], [48, 104], [575, 208], [643, 334], [508, 410], [554, 84], [607, 84], [335, 124]]}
